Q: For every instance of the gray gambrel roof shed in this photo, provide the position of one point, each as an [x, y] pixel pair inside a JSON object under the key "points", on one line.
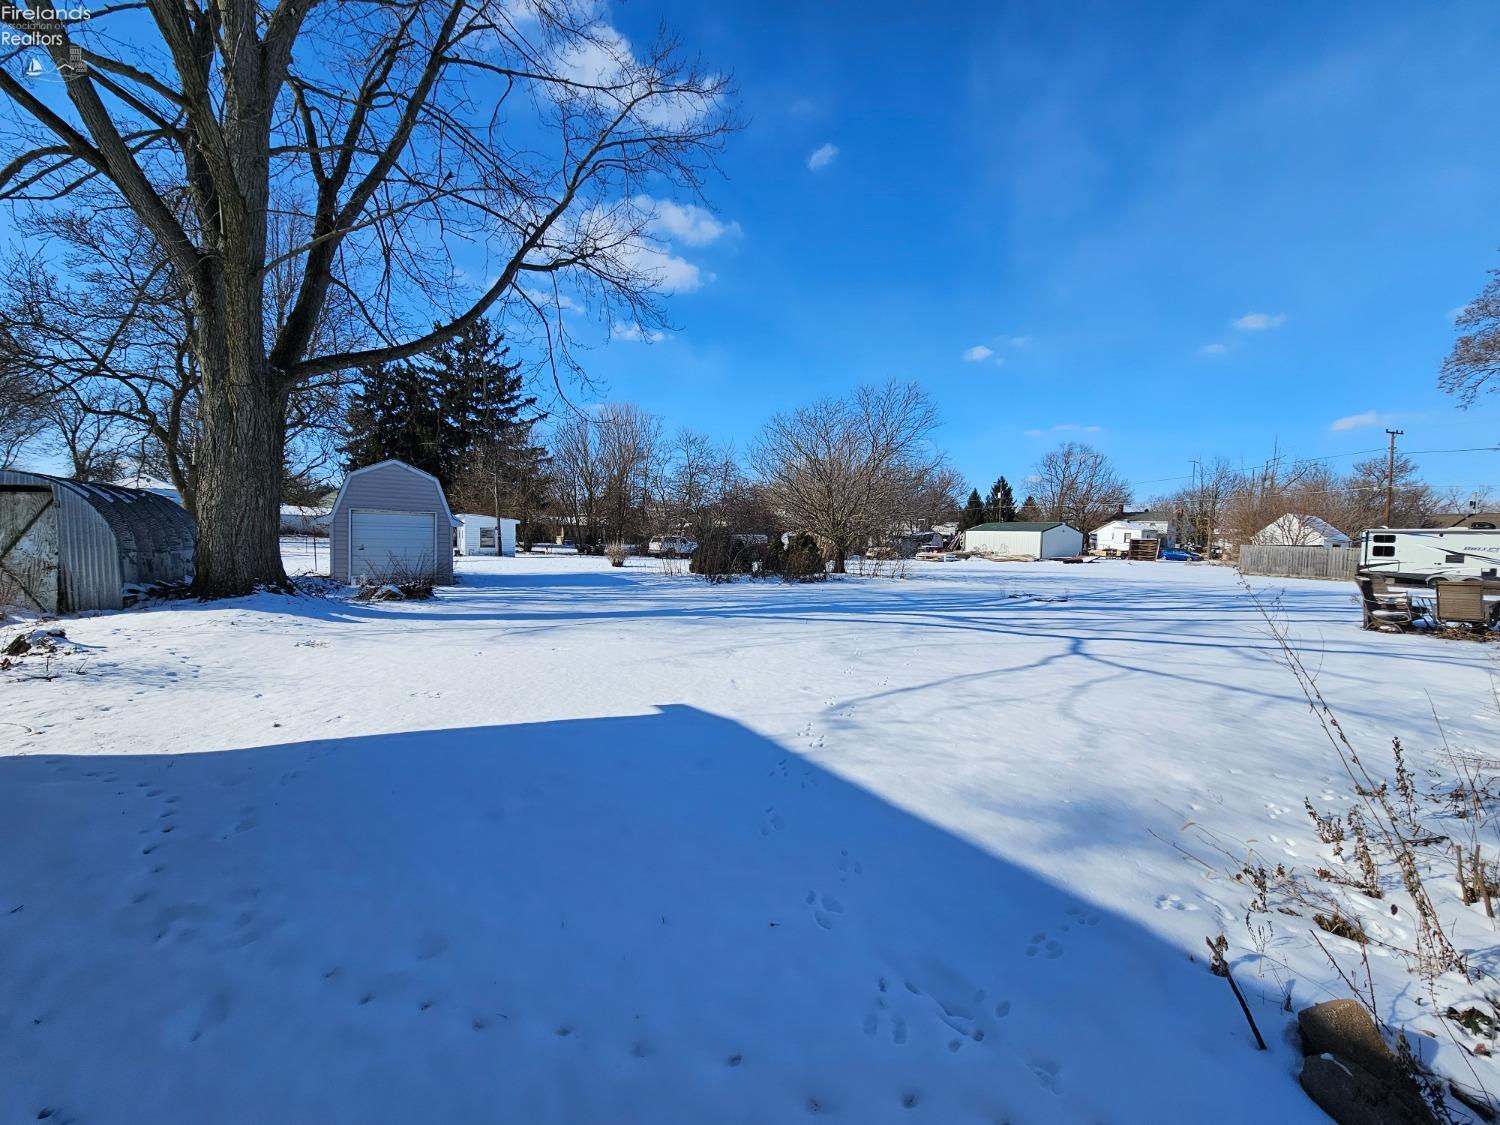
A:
{"points": [[391, 520], [67, 546]]}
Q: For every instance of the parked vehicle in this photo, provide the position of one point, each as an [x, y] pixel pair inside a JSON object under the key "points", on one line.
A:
{"points": [[671, 547], [1430, 554], [1177, 554]]}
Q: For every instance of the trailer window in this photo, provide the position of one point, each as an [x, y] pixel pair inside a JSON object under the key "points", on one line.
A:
{"points": [[1385, 538], [1383, 552], [1451, 558]]}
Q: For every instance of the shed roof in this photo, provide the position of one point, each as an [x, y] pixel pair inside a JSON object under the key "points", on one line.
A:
{"points": [[398, 463], [1017, 526]]}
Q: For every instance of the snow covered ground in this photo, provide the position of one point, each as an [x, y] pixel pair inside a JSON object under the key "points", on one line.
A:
{"points": [[574, 844]]}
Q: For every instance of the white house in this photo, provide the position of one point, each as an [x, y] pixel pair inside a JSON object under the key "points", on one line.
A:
{"points": [[1292, 530], [475, 535], [1024, 540], [1117, 535]]}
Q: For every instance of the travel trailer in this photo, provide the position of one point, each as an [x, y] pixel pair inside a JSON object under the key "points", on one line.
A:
{"points": [[1431, 554]]}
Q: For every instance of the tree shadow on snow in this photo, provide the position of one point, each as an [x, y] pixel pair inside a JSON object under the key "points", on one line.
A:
{"points": [[652, 918]]}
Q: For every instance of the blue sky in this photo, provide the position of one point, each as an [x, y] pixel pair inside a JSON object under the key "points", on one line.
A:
{"points": [[1170, 231]]}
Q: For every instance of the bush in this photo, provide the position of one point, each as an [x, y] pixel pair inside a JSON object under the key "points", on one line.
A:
{"points": [[617, 553], [801, 560], [722, 554]]}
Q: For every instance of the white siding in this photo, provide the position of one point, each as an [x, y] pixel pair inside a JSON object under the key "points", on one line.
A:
{"points": [[1028, 543], [471, 540], [1061, 542]]}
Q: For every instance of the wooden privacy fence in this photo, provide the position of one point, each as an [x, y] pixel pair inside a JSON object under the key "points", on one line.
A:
{"points": [[1299, 562]]}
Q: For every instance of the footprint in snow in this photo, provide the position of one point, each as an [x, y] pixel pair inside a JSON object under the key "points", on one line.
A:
{"points": [[1172, 902], [1045, 946], [824, 907]]}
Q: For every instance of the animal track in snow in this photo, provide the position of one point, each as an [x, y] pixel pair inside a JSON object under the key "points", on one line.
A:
{"points": [[1047, 1072], [849, 866], [824, 907], [1172, 902], [1042, 944], [773, 821]]}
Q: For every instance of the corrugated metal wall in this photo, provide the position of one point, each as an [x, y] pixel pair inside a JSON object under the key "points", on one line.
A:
{"points": [[391, 486], [109, 537]]}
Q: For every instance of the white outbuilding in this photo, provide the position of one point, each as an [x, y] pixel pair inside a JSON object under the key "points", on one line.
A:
{"points": [[391, 521], [1024, 540], [1292, 530], [475, 535]]}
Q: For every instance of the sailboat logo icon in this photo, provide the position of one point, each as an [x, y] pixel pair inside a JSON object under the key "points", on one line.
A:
{"points": [[34, 67]]}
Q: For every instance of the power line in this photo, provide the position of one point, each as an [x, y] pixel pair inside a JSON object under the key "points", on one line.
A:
{"points": [[1335, 457]]}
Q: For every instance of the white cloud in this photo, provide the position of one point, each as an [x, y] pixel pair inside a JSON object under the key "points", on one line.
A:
{"points": [[1359, 421], [1213, 349], [1259, 322], [685, 222], [1454, 314], [624, 331], [978, 353], [822, 157], [665, 270], [1015, 341]]}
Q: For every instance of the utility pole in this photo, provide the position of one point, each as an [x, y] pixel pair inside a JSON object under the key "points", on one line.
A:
{"points": [[1390, 475]]}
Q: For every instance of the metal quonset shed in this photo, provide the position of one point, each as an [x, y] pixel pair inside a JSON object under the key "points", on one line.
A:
{"points": [[66, 546], [391, 520]]}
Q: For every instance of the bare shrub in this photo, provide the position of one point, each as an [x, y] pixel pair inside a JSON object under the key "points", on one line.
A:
{"points": [[617, 553], [411, 579]]}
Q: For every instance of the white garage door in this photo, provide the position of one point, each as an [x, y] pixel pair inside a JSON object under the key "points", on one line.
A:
{"points": [[389, 545]]}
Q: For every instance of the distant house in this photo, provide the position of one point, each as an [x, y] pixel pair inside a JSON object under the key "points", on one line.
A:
{"points": [[299, 519], [1292, 530], [1117, 535], [1163, 523], [1053, 540], [475, 535]]}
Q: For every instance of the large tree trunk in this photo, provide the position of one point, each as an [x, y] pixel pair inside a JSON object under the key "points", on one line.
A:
{"points": [[239, 468], [239, 491]]}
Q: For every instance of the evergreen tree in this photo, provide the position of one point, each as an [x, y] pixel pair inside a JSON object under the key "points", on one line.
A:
{"points": [[395, 413], [973, 512], [1000, 505], [459, 412], [1030, 511]]}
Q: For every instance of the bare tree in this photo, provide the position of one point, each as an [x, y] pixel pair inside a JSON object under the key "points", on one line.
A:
{"points": [[1474, 362], [94, 443], [604, 466], [389, 137], [1076, 484], [847, 469], [23, 403]]}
